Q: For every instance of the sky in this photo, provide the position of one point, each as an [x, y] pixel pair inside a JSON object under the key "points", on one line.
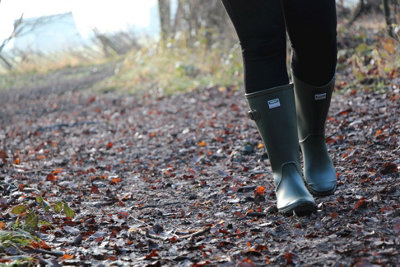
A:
{"points": [[105, 15]]}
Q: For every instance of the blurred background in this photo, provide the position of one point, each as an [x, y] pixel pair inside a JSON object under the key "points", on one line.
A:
{"points": [[164, 46]]}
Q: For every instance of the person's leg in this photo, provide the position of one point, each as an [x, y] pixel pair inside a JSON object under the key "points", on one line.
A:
{"points": [[261, 30], [311, 26]]}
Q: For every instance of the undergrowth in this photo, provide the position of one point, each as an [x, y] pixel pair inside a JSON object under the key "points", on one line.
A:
{"points": [[367, 59], [175, 67]]}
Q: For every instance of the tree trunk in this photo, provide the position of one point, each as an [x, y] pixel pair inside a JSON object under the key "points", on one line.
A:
{"points": [[164, 9], [388, 18], [364, 7]]}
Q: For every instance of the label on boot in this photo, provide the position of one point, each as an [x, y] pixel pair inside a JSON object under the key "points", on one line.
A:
{"points": [[274, 103], [320, 96]]}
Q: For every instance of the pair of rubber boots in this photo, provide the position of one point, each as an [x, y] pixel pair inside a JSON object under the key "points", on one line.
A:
{"points": [[286, 119]]}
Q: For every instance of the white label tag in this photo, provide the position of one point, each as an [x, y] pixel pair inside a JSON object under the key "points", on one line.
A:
{"points": [[274, 103], [320, 96]]}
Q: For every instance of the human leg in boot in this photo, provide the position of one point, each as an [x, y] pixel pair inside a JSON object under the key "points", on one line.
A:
{"points": [[312, 104], [273, 111], [261, 29], [313, 66]]}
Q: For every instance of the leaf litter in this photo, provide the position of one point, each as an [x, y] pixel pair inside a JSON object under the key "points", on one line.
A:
{"points": [[185, 181]]}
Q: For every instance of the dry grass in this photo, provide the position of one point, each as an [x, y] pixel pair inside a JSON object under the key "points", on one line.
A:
{"points": [[175, 68]]}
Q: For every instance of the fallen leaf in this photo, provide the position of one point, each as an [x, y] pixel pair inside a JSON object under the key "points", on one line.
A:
{"points": [[361, 204], [396, 228], [116, 180], [260, 190], [246, 263], [109, 145], [51, 177], [68, 257], [289, 258], [389, 168], [202, 143], [153, 254], [334, 215]]}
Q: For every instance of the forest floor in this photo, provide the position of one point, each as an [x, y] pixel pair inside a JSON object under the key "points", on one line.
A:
{"points": [[171, 181], [128, 180]]}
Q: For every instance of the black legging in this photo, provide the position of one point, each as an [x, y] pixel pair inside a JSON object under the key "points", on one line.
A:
{"points": [[261, 26]]}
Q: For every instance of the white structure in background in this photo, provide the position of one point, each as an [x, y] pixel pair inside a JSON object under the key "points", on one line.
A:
{"points": [[48, 34]]}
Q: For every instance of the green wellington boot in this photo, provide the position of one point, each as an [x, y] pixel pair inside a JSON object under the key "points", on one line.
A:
{"points": [[274, 112], [312, 105]]}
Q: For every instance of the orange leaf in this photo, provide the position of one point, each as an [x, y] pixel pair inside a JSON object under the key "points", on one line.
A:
{"points": [[378, 133], [17, 161], [109, 145], [202, 143], [2, 225], [260, 145], [116, 180], [58, 170], [68, 257], [260, 190], [51, 177]]}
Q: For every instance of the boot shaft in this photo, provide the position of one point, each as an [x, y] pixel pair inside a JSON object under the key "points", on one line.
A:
{"points": [[274, 112], [312, 105]]}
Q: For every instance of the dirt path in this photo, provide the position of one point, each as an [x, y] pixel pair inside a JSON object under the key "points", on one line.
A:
{"points": [[171, 181]]}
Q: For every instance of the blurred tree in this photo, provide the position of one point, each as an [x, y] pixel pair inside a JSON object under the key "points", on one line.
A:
{"points": [[194, 20], [388, 16], [377, 6], [16, 31], [365, 6], [164, 9]]}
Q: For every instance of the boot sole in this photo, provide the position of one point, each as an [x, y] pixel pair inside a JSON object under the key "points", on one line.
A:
{"points": [[303, 208], [322, 194]]}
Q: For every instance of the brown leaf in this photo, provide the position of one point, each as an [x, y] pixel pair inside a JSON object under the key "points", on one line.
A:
{"points": [[389, 167], [361, 204], [334, 215], [289, 258], [396, 228], [94, 190], [153, 254], [246, 263], [3, 155]]}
